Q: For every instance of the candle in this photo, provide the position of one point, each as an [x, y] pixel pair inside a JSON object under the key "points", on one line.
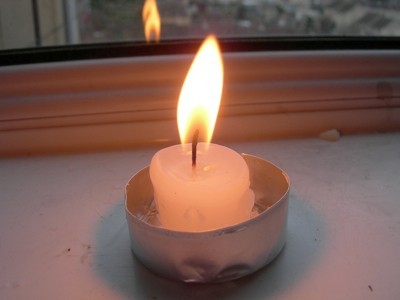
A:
{"points": [[208, 187], [215, 194]]}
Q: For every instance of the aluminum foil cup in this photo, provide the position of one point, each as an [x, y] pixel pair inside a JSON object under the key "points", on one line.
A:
{"points": [[219, 255]]}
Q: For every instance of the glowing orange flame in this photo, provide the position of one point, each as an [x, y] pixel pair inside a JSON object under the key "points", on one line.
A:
{"points": [[201, 93], [152, 21]]}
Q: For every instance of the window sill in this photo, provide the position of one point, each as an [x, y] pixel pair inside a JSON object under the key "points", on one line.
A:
{"points": [[126, 102], [62, 224]]}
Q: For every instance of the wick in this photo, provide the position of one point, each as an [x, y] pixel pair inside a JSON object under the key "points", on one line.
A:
{"points": [[194, 147]]}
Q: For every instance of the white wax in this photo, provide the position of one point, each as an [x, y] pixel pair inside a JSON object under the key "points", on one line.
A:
{"points": [[212, 195]]}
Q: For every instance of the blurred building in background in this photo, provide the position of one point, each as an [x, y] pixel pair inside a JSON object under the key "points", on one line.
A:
{"points": [[39, 23], [33, 23]]}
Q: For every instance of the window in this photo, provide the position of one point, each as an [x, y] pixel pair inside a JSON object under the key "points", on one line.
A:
{"points": [[112, 89], [25, 24]]}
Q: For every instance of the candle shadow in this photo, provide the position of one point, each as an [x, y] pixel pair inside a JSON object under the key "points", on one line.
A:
{"points": [[115, 264]]}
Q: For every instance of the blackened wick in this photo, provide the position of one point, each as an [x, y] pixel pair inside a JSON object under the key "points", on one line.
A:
{"points": [[194, 147]]}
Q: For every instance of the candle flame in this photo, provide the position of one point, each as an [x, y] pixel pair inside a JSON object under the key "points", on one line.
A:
{"points": [[201, 93], [152, 21]]}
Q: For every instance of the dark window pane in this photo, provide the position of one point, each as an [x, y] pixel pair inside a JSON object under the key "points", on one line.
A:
{"points": [[61, 22]]}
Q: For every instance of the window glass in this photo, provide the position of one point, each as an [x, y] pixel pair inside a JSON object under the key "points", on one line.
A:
{"points": [[33, 23]]}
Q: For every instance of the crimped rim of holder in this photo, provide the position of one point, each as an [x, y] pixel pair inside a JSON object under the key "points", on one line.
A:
{"points": [[216, 231]]}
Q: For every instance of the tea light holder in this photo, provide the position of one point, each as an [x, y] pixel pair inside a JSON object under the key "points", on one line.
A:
{"points": [[212, 256]]}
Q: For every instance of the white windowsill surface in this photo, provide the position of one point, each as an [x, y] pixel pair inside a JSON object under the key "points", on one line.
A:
{"points": [[63, 233]]}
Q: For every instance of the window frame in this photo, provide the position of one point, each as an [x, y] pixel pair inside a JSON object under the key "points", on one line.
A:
{"points": [[130, 100], [189, 46]]}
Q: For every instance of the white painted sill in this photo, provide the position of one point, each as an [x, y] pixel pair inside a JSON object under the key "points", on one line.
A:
{"points": [[129, 102]]}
